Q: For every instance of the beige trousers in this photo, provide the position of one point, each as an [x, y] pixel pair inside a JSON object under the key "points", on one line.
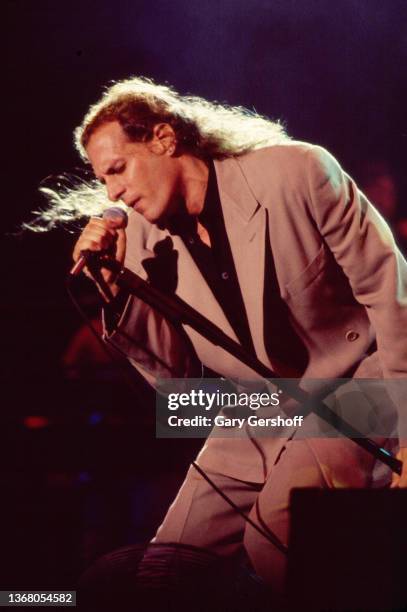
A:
{"points": [[200, 517]]}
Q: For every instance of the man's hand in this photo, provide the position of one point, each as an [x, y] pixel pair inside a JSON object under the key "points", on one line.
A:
{"points": [[401, 481], [101, 235]]}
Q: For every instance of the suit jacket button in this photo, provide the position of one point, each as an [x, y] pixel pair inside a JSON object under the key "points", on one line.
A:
{"points": [[351, 335]]}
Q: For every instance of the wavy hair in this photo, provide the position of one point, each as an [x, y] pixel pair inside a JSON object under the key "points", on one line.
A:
{"points": [[205, 129]]}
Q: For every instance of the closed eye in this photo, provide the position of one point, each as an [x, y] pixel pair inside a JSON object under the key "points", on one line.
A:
{"points": [[117, 169], [112, 170]]}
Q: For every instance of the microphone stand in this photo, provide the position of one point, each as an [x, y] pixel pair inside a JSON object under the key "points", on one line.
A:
{"points": [[176, 310]]}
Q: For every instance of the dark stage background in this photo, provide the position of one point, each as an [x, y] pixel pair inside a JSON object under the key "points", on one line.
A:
{"points": [[80, 469]]}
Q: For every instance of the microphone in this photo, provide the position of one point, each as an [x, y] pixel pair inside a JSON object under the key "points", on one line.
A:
{"points": [[117, 219]]}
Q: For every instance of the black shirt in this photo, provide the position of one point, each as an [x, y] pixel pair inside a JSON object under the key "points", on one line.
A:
{"points": [[216, 263]]}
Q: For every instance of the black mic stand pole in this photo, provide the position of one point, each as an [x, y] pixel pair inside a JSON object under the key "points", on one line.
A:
{"points": [[177, 311]]}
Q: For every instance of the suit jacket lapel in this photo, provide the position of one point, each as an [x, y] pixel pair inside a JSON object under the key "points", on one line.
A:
{"points": [[191, 285], [245, 222]]}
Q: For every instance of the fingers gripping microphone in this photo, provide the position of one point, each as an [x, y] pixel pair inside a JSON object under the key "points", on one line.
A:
{"points": [[117, 219]]}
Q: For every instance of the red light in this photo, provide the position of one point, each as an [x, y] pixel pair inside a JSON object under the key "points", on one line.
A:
{"points": [[36, 422]]}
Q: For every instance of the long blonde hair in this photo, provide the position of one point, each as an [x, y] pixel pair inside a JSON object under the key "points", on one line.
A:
{"points": [[204, 129]]}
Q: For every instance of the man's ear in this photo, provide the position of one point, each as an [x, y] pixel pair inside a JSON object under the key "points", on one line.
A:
{"points": [[163, 141]]}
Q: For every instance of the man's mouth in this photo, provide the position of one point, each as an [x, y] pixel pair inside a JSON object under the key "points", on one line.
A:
{"points": [[134, 203]]}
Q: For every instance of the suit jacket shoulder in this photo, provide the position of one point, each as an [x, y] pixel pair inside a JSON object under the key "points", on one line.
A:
{"points": [[288, 169]]}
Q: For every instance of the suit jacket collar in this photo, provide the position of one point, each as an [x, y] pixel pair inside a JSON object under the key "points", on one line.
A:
{"points": [[234, 189]]}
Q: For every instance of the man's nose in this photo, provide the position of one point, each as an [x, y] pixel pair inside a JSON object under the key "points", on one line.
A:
{"points": [[115, 191]]}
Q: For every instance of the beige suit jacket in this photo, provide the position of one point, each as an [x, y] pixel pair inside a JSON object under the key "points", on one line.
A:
{"points": [[340, 276]]}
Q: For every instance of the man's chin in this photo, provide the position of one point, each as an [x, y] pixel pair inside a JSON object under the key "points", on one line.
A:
{"points": [[151, 218], [161, 221]]}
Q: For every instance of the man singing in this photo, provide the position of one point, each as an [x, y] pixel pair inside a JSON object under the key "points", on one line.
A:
{"points": [[270, 240]]}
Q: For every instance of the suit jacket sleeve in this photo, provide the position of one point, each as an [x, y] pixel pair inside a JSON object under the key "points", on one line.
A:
{"points": [[364, 247], [155, 347]]}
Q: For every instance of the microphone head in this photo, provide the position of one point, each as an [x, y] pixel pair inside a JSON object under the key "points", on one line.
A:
{"points": [[117, 217]]}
